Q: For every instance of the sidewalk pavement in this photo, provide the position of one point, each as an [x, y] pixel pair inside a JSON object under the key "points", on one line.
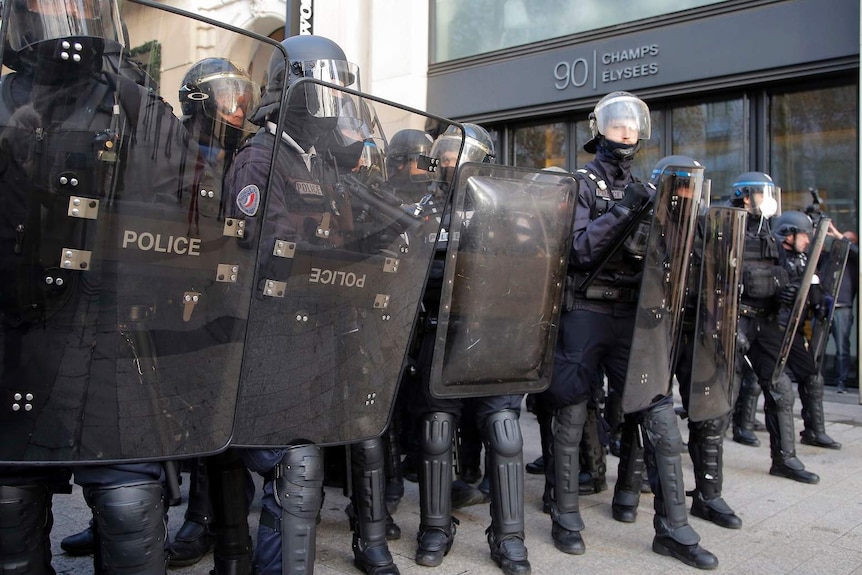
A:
{"points": [[788, 527]]}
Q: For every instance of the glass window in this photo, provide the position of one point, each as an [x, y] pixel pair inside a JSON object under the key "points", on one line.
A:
{"points": [[814, 145], [714, 134], [469, 27], [541, 146]]}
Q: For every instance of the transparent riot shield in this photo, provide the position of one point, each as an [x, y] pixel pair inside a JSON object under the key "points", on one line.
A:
{"points": [[714, 340], [125, 296], [661, 297], [503, 280], [831, 273], [345, 249], [800, 304]]}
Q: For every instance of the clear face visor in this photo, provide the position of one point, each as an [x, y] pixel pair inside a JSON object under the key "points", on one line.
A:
{"points": [[764, 200], [35, 21], [684, 182], [624, 114], [228, 97], [446, 149]]}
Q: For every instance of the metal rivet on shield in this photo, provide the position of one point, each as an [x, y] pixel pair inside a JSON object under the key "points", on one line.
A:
{"points": [[210, 194], [76, 201], [64, 55], [18, 397], [240, 233], [76, 57], [74, 181], [15, 407], [59, 281], [203, 193], [49, 280], [28, 407], [78, 46], [64, 180], [76, 212], [29, 397], [65, 45]]}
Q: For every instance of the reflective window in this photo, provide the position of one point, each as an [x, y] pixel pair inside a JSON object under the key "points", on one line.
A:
{"points": [[714, 134], [469, 27], [540, 146], [814, 145]]}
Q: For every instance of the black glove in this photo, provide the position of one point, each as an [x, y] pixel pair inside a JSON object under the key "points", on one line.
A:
{"points": [[637, 194], [787, 296]]}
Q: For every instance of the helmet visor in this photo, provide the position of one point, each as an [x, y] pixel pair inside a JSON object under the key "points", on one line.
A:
{"points": [[623, 115], [228, 97], [764, 198], [338, 72], [35, 21]]}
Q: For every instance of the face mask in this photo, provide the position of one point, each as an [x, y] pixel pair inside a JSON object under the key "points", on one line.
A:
{"points": [[768, 207]]}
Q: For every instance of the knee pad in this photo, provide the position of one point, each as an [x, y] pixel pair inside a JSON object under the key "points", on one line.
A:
{"points": [[130, 523], [298, 486], [503, 433], [25, 527], [660, 424], [438, 429], [781, 393]]}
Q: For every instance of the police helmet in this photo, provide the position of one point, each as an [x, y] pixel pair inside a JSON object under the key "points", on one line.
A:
{"points": [[34, 26], [478, 145], [308, 56], [406, 145], [761, 191], [218, 89], [618, 109], [791, 223], [678, 162]]}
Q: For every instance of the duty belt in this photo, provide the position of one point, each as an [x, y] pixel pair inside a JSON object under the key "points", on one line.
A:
{"points": [[610, 293], [751, 311]]}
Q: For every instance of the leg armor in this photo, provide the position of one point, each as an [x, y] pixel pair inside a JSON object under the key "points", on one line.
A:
{"points": [[614, 417], [779, 399], [232, 555], [674, 536], [706, 447], [745, 411], [811, 397], [25, 528], [298, 490], [630, 472], [195, 538], [394, 477], [129, 521], [565, 510], [504, 445], [436, 524], [367, 470], [592, 456]]}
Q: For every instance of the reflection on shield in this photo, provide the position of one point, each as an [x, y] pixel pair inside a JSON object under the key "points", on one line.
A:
{"points": [[662, 290], [714, 337], [831, 274], [126, 299], [344, 254], [503, 280]]}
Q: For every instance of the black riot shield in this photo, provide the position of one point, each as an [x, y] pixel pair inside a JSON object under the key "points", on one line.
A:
{"points": [[509, 239], [345, 250], [800, 304], [831, 273], [714, 337], [661, 297], [125, 297]]}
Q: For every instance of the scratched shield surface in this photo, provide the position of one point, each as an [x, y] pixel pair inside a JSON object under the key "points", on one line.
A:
{"points": [[125, 297], [345, 250], [503, 281]]}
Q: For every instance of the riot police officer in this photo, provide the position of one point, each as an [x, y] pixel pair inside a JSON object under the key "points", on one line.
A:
{"points": [[302, 195], [496, 416], [62, 112], [793, 231], [764, 279], [596, 331]]}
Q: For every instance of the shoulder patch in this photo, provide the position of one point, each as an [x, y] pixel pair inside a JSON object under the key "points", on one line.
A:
{"points": [[248, 200]]}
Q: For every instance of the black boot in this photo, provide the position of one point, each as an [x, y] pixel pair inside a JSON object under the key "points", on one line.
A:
{"points": [[228, 487], [567, 523], [811, 397], [436, 524], [782, 443], [370, 551], [81, 543], [674, 537], [706, 447], [504, 446], [195, 538], [592, 478], [745, 412], [630, 471]]}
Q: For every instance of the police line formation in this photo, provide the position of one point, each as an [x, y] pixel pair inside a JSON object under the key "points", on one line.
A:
{"points": [[296, 279]]}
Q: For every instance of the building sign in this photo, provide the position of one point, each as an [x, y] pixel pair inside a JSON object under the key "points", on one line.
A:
{"points": [[607, 67], [300, 17]]}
